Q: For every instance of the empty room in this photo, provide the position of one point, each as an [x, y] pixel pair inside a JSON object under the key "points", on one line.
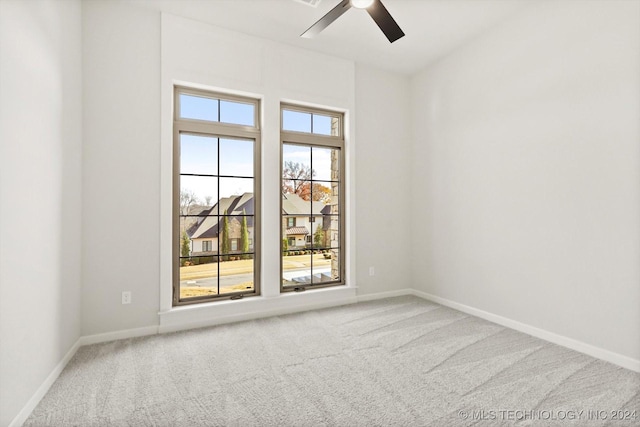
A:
{"points": [[319, 213]]}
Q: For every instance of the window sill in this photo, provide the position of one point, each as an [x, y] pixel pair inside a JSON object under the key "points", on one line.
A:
{"points": [[226, 311]]}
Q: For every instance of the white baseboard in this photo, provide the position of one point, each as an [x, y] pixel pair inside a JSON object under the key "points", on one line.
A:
{"points": [[118, 335], [44, 387], [579, 346], [382, 295]]}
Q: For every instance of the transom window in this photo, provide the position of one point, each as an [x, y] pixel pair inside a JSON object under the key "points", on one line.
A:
{"points": [[210, 108], [312, 206], [216, 198], [297, 119]]}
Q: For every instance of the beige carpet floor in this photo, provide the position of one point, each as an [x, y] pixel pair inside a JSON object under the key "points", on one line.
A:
{"points": [[395, 362]]}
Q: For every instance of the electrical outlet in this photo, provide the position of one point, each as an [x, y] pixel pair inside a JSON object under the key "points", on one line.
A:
{"points": [[126, 297], [372, 271]]}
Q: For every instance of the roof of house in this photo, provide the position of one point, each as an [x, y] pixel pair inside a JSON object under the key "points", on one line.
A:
{"points": [[292, 204], [208, 226], [297, 230]]}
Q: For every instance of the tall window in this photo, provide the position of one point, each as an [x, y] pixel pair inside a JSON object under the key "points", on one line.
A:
{"points": [[216, 200], [312, 208]]}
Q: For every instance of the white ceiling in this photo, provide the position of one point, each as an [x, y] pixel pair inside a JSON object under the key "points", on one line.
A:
{"points": [[433, 27]]}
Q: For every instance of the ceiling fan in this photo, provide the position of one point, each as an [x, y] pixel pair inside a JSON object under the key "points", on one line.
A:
{"points": [[375, 8]]}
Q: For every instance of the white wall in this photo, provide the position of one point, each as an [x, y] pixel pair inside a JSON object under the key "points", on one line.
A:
{"points": [[526, 171], [121, 104], [383, 196], [40, 210]]}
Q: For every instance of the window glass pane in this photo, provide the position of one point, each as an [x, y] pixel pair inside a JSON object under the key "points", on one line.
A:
{"points": [[236, 157], [288, 239], [228, 229], [230, 191], [198, 107], [295, 219], [236, 274], [197, 193], [298, 194], [321, 268], [322, 124], [296, 266], [296, 121], [202, 245], [238, 113], [331, 227], [188, 225], [326, 267], [235, 233], [198, 154], [321, 192], [198, 276], [330, 203], [205, 230], [297, 235], [236, 195], [336, 126], [296, 170], [317, 236], [246, 240], [297, 155], [326, 164], [184, 244], [326, 198]]}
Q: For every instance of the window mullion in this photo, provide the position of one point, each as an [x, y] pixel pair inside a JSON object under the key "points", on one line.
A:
{"points": [[219, 258]]}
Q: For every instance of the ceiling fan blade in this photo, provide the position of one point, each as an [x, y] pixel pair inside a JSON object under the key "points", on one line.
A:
{"points": [[385, 21], [327, 19]]}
